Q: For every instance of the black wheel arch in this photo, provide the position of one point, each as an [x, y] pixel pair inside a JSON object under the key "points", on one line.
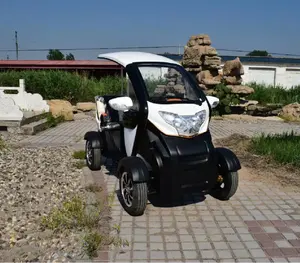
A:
{"points": [[94, 138], [137, 166], [227, 160]]}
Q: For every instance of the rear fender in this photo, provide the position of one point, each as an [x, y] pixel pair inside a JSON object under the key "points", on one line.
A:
{"points": [[227, 160], [94, 137]]}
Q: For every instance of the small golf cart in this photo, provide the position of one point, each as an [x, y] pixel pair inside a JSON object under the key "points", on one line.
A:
{"points": [[157, 129]]}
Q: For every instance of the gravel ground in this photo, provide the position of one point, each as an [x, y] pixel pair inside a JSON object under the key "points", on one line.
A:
{"points": [[32, 181]]}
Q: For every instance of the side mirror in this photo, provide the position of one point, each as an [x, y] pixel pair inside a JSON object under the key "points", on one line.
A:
{"points": [[121, 103], [213, 101]]}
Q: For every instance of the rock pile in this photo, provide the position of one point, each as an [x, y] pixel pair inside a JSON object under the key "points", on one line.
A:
{"points": [[202, 60]]}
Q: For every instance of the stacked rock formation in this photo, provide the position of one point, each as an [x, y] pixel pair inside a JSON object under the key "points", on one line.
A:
{"points": [[202, 60], [174, 84], [232, 77]]}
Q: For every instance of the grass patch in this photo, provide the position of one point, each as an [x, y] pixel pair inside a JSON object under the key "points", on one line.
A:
{"points": [[282, 148], [71, 215], [79, 164], [265, 94], [79, 155], [76, 214], [54, 121]]}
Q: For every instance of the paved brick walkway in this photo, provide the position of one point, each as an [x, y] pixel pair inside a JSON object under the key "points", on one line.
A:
{"points": [[259, 224], [71, 133]]}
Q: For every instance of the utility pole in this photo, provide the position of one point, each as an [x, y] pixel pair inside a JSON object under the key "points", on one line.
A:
{"points": [[17, 45], [7, 57]]}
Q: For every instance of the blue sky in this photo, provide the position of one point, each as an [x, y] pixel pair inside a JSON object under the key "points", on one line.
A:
{"points": [[236, 24]]}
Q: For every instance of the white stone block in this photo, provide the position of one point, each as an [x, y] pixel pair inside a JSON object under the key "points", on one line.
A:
{"points": [[9, 111]]}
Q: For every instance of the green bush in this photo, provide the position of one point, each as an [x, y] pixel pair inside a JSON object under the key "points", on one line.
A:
{"points": [[226, 99], [283, 148], [56, 84], [275, 95]]}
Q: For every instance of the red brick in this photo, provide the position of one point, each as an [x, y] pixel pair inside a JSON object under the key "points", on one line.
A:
{"points": [[265, 223], [290, 252], [295, 243], [272, 252], [291, 222], [276, 236], [284, 229], [261, 237], [278, 223], [267, 244], [251, 223], [254, 229]]}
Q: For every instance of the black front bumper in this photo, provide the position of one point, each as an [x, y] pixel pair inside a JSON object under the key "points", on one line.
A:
{"points": [[187, 162]]}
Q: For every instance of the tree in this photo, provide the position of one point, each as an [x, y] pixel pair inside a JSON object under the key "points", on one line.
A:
{"points": [[70, 56], [55, 54], [259, 53]]}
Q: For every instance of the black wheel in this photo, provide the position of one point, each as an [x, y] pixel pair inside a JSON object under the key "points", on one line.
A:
{"points": [[225, 189], [93, 156], [133, 195]]}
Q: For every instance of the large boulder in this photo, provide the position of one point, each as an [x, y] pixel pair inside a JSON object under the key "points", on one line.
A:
{"points": [[85, 106], [291, 112], [233, 68], [61, 108]]}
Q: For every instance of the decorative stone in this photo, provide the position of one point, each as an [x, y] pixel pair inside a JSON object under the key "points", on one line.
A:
{"points": [[61, 108], [240, 89], [291, 111], [233, 80], [263, 110], [85, 106], [233, 68]]}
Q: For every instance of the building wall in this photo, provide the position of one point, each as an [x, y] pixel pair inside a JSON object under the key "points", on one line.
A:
{"points": [[274, 75], [286, 77]]}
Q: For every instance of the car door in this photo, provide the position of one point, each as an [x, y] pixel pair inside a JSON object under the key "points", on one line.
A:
{"points": [[134, 120]]}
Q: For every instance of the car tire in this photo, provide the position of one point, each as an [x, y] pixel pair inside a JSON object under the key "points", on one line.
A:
{"points": [[133, 195], [230, 181], [92, 156]]}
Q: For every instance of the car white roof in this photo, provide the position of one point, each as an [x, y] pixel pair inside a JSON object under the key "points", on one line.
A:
{"points": [[125, 58]]}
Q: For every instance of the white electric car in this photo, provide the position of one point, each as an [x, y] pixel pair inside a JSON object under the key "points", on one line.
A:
{"points": [[157, 129]]}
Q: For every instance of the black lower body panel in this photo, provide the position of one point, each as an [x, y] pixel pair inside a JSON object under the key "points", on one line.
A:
{"points": [[187, 163]]}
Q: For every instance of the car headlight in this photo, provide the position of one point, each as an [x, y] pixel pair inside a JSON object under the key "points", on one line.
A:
{"points": [[186, 125]]}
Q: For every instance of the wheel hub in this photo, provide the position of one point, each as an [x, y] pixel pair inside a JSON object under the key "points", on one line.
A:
{"points": [[89, 154], [127, 189]]}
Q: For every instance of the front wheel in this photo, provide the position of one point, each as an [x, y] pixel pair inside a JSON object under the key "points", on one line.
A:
{"points": [[226, 188], [93, 156], [133, 195]]}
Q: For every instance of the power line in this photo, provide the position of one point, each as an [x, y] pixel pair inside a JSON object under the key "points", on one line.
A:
{"points": [[130, 48]]}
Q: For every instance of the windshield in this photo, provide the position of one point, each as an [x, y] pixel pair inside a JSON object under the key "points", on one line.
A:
{"points": [[167, 84]]}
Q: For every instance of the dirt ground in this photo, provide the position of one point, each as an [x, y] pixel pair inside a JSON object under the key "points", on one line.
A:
{"points": [[259, 168]]}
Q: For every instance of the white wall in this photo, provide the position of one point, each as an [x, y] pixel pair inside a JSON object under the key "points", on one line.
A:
{"points": [[272, 75]]}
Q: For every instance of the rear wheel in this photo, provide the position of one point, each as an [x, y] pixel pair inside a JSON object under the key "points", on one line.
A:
{"points": [[93, 156], [226, 187]]}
